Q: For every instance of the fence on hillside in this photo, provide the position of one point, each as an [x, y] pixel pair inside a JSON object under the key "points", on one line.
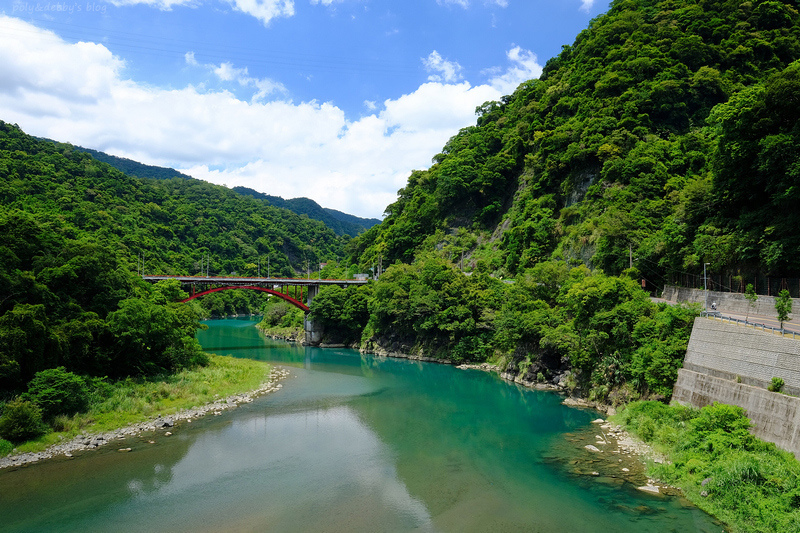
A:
{"points": [[764, 285]]}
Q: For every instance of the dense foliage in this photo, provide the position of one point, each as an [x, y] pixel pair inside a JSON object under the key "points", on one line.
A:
{"points": [[111, 404], [70, 301], [340, 223], [604, 330], [665, 138], [177, 226], [134, 168], [719, 465], [74, 235], [668, 132]]}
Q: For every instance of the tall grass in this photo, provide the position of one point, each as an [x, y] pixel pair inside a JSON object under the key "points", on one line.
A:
{"points": [[118, 404], [723, 469]]}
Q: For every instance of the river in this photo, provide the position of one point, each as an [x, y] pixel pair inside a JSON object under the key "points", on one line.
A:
{"points": [[351, 443]]}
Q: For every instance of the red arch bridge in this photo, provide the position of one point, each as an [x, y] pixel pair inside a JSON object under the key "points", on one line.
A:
{"points": [[290, 289]]}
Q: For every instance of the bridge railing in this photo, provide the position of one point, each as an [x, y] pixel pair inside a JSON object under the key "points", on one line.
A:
{"points": [[253, 279]]}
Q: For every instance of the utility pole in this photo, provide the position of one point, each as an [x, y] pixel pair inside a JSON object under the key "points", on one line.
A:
{"points": [[705, 283]]}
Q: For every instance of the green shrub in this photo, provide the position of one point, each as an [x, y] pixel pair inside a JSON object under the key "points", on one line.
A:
{"points": [[695, 465], [21, 421], [647, 429], [58, 392], [5, 447], [738, 469], [776, 385], [598, 393]]}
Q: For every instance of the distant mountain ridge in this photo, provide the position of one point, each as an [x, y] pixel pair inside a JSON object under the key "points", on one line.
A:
{"points": [[341, 223], [134, 168]]}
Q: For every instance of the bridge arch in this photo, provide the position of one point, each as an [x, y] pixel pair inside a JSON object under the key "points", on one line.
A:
{"points": [[286, 297]]}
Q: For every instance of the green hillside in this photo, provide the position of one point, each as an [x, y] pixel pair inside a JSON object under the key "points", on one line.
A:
{"points": [[134, 168], [668, 129], [664, 138], [340, 223], [172, 223], [74, 235]]}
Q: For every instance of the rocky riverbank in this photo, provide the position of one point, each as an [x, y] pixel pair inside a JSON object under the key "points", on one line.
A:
{"points": [[623, 456], [616, 454], [92, 441]]}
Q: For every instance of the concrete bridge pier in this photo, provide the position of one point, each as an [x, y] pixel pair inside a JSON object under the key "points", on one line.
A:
{"points": [[313, 330]]}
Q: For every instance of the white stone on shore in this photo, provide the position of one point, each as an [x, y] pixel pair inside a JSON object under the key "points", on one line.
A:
{"points": [[592, 448], [652, 489]]}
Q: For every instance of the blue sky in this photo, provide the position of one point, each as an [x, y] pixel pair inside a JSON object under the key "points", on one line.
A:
{"points": [[335, 100]]}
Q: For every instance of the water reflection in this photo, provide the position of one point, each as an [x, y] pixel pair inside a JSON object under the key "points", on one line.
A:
{"points": [[351, 443]]}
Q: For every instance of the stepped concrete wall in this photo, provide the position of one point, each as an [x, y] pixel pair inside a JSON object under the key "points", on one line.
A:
{"points": [[775, 417], [734, 364], [743, 353]]}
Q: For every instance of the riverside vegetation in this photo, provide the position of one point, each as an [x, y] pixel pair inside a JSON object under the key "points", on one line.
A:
{"points": [[52, 412], [665, 138], [719, 465]]}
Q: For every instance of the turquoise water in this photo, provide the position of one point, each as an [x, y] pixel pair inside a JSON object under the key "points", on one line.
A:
{"points": [[350, 443]]}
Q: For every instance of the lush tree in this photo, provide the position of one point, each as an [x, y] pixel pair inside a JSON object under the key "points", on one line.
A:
{"points": [[752, 297], [58, 392], [21, 420], [783, 306]]}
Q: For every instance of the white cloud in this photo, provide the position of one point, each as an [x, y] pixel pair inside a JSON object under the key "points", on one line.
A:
{"points": [[264, 10], [586, 5], [525, 67], [448, 71], [79, 93], [499, 3], [459, 3], [226, 72], [164, 5]]}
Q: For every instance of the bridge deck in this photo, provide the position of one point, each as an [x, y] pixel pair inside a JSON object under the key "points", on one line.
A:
{"points": [[236, 280]]}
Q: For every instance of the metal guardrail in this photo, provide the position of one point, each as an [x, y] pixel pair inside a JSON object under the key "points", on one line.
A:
{"points": [[763, 327]]}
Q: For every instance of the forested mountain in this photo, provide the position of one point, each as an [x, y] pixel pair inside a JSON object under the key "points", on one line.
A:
{"points": [[172, 223], [133, 168], [668, 129], [666, 136], [341, 223], [75, 233]]}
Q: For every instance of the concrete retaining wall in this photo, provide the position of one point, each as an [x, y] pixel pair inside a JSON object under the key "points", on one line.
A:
{"points": [[731, 302], [734, 364], [775, 417], [742, 353]]}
